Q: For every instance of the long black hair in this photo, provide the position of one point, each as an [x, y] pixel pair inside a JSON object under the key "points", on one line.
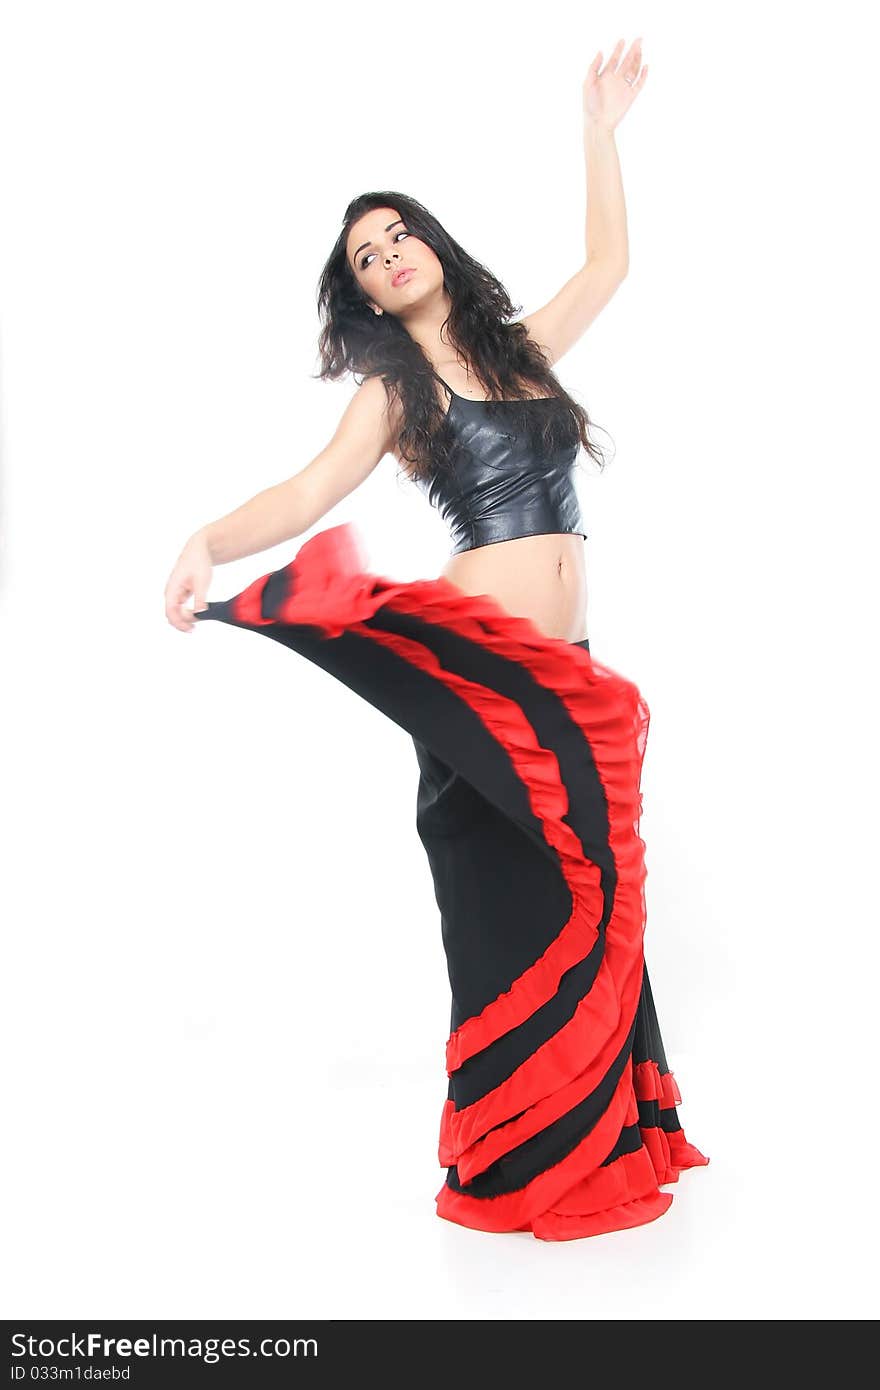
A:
{"points": [[508, 362]]}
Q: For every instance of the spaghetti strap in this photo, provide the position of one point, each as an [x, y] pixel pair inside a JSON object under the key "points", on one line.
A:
{"points": [[444, 384]]}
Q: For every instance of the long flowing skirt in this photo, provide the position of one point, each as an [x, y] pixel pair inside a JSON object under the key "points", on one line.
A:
{"points": [[560, 1117]]}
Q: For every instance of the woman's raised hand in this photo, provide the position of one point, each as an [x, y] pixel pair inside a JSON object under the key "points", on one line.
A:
{"points": [[190, 577], [609, 94]]}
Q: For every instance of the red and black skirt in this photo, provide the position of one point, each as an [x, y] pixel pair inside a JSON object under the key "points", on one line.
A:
{"points": [[560, 1117]]}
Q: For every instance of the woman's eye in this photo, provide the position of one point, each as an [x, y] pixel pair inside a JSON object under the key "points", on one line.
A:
{"points": [[365, 260]]}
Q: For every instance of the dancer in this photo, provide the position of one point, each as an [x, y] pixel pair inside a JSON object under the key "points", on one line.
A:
{"points": [[560, 1117]]}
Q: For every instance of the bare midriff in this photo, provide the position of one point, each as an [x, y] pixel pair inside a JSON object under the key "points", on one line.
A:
{"points": [[538, 577]]}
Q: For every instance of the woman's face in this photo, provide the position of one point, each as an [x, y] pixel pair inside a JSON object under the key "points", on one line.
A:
{"points": [[380, 246]]}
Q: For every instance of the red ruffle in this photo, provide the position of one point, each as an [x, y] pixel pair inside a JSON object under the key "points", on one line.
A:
{"points": [[670, 1151], [620, 1195], [650, 1085]]}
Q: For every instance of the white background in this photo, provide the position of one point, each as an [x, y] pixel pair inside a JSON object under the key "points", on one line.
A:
{"points": [[224, 995]]}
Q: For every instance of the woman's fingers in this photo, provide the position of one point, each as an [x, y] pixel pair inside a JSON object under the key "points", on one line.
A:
{"points": [[615, 56], [177, 615], [633, 59], [190, 578], [629, 67]]}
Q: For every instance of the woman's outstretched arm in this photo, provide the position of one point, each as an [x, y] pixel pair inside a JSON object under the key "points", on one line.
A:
{"points": [[279, 513], [607, 96]]}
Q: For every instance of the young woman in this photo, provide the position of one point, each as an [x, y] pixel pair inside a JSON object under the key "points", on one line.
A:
{"points": [[561, 1113]]}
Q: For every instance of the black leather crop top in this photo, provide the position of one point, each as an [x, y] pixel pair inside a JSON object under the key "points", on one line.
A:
{"points": [[499, 487]]}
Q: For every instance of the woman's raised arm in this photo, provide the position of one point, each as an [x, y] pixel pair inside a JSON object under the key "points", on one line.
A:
{"points": [[608, 93]]}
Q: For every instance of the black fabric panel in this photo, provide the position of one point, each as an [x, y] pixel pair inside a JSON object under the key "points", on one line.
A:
{"points": [[630, 1142], [652, 1116], [502, 899], [648, 1044]]}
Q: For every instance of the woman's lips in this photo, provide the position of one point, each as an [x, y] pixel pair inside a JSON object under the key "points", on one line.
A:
{"points": [[400, 277]]}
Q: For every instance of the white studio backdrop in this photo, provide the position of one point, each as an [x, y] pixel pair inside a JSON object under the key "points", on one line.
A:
{"points": [[224, 993]]}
